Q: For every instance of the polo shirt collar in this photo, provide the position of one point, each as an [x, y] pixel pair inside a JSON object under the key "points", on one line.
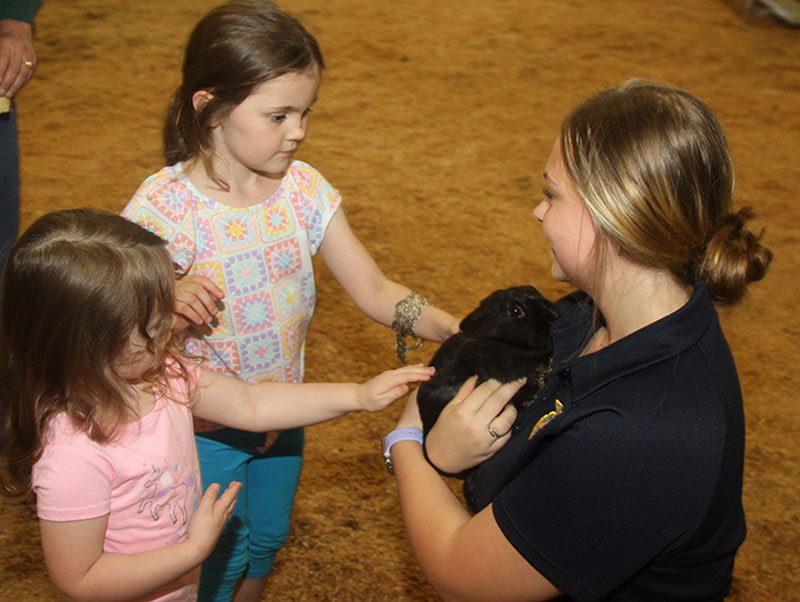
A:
{"points": [[655, 342]]}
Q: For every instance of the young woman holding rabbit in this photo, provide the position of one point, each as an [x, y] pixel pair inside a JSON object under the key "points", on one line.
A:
{"points": [[622, 480]]}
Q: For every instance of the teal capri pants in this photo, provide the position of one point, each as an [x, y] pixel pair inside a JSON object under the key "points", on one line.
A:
{"points": [[259, 525]]}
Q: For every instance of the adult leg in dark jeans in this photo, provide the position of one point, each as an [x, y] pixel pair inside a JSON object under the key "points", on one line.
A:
{"points": [[9, 202]]}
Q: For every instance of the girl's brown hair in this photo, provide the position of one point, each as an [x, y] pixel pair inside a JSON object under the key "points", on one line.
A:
{"points": [[232, 49], [652, 165], [76, 286]]}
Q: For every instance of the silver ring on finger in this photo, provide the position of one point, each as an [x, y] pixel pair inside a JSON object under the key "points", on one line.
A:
{"points": [[492, 432]]}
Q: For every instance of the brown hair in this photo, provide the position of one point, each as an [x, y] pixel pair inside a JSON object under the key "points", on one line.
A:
{"points": [[232, 49], [76, 285], [652, 165]]}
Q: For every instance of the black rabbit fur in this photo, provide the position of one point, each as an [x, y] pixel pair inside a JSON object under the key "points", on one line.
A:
{"points": [[506, 338]]}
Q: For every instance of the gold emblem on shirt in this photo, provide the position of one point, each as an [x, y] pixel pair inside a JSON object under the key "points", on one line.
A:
{"points": [[545, 420]]}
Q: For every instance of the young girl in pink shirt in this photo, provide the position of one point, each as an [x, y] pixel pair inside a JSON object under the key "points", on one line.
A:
{"points": [[100, 398]]}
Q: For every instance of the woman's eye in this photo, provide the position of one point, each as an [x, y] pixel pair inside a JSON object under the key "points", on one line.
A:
{"points": [[548, 194], [516, 312]]}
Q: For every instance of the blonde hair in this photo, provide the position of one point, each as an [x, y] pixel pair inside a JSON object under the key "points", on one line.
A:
{"points": [[652, 165], [76, 285]]}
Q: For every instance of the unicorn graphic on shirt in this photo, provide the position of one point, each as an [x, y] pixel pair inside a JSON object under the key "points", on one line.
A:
{"points": [[162, 490]]}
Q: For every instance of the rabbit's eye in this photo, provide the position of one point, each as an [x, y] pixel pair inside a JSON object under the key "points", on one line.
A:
{"points": [[516, 312]]}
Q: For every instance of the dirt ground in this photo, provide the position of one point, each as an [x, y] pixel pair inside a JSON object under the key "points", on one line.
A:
{"points": [[434, 120]]}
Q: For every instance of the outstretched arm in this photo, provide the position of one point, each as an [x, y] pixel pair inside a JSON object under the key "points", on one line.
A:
{"points": [[464, 557], [277, 406], [368, 287], [81, 570]]}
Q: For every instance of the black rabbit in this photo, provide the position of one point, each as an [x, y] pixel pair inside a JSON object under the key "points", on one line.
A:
{"points": [[507, 337]]}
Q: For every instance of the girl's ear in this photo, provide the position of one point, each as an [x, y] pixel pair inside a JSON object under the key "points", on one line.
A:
{"points": [[200, 99]]}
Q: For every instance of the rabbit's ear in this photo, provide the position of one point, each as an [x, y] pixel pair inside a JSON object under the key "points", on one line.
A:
{"points": [[473, 321]]}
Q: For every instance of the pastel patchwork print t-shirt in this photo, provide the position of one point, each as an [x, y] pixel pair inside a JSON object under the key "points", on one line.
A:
{"points": [[147, 480], [260, 256]]}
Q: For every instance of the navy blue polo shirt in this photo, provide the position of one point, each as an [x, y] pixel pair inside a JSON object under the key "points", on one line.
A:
{"points": [[623, 480]]}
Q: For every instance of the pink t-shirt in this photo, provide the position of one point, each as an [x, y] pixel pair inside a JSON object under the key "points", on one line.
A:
{"points": [[147, 479]]}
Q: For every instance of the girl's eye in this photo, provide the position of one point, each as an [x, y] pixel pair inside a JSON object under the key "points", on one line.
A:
{"points": [[277, 117]]}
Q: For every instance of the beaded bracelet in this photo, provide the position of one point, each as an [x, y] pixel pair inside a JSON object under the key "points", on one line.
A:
{"points": [[406, 314]]}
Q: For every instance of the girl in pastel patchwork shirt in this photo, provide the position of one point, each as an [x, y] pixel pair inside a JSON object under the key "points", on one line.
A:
{"points": [[99, 400], [243, 219]]}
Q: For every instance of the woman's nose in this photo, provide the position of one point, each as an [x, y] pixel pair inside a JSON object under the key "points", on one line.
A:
{"points": [[540, 210]]}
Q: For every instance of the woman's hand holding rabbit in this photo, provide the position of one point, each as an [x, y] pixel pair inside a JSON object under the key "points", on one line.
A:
{"points": [[473, 426]]}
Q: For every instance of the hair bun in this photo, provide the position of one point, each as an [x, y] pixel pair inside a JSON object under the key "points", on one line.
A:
{"points": [[733, 258]]}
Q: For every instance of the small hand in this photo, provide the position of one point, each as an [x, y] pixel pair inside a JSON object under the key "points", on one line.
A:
{"points": [[196, 301], [17, 56], [460, 439], [378, 392], [207, 521]]}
